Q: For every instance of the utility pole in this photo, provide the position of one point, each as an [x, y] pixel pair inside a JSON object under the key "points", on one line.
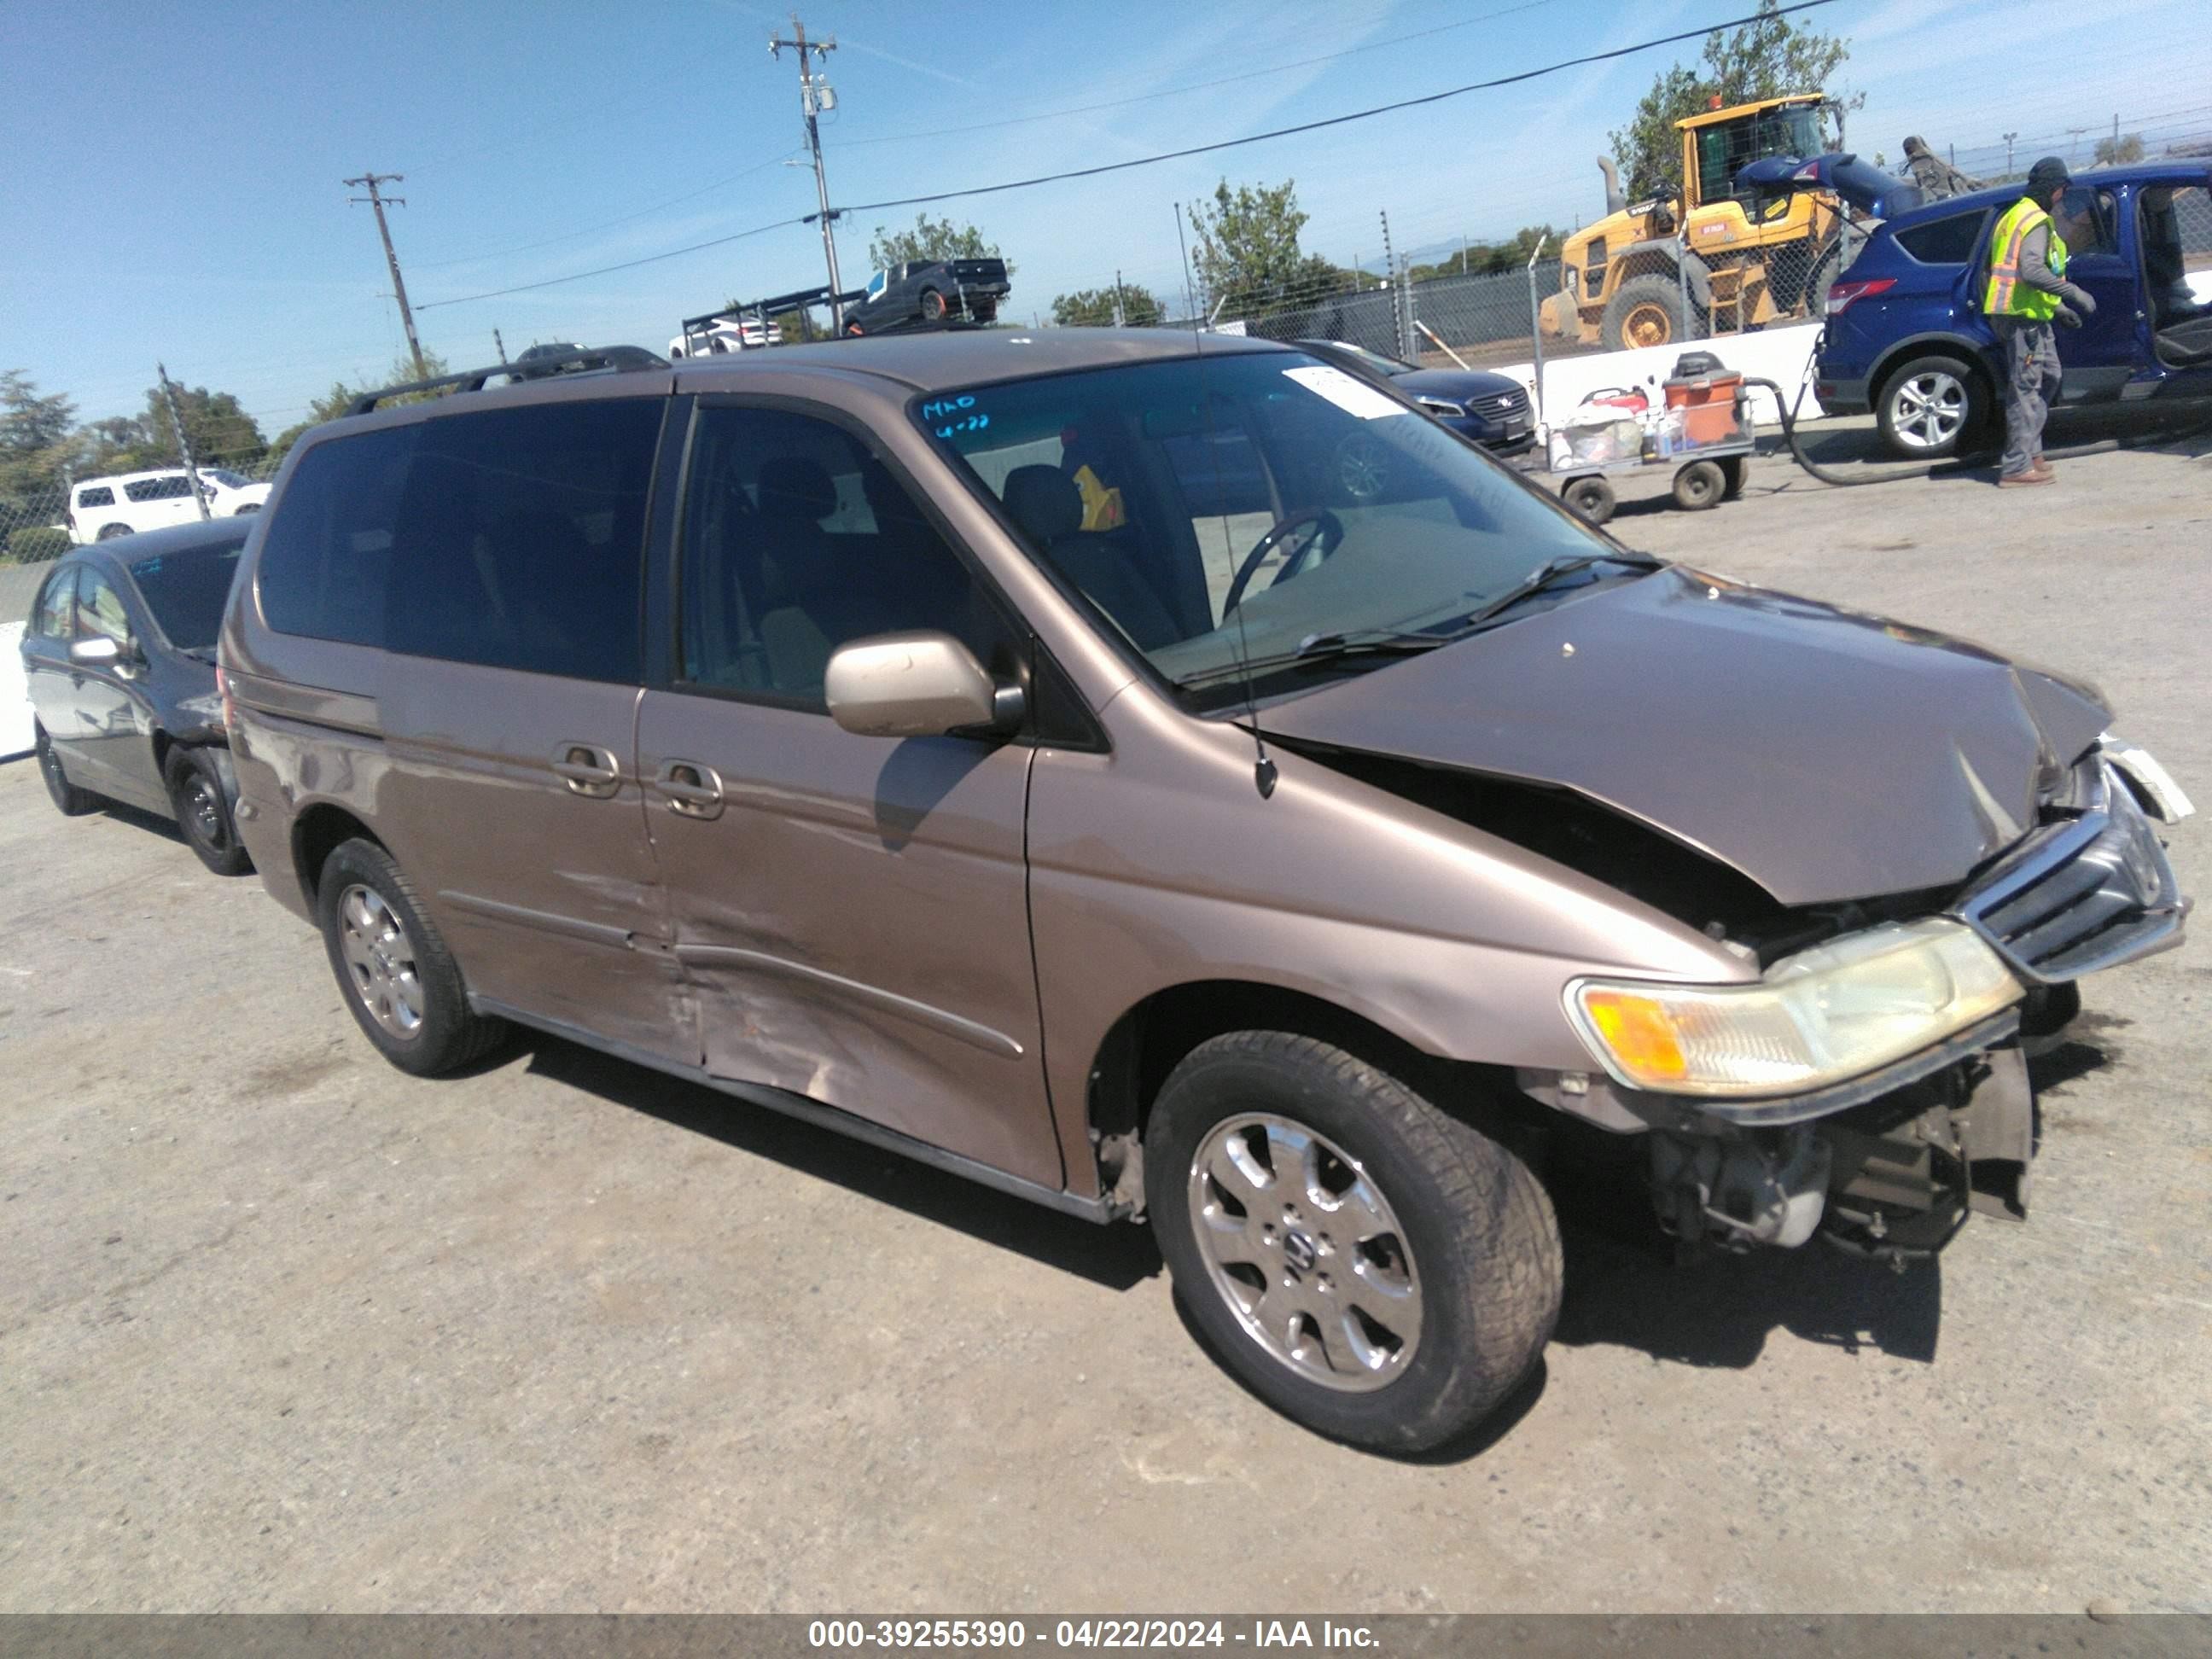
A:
{"points": [[370, 181], [183, 443], [2074, 153], [2008, 137], [501, 343], [1120, 317], [815, 96]]}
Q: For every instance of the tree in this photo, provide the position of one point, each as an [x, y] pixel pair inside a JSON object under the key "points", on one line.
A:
{"points": [[217, 424], [1095, 307], [33, 433], [1488, 258], [930, 239], [2118, 152], [1248, 257], [339, 399], [1766, 57]]}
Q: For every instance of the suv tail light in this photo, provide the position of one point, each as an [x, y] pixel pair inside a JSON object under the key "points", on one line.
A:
{"points": [[1842, 296], [229, 708]]}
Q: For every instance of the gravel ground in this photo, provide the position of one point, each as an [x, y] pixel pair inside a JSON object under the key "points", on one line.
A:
{"points": [[282, 1328]]}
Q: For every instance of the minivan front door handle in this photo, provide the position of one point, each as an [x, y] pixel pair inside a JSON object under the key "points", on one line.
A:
{"points": [[588, 769], [693, 790]]}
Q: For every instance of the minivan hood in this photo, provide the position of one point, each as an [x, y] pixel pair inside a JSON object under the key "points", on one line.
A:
{"points": [[1825, 754]]}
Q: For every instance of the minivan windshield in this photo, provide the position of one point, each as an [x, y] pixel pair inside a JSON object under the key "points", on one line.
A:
{"points": [[186, 591], [1256, 521]]}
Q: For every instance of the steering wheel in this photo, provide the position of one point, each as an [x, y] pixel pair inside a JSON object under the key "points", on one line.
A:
{"points": [[1329, 534]]}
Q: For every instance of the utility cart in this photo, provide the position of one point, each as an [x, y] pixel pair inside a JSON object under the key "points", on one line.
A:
{"points": [[1703, 428]]}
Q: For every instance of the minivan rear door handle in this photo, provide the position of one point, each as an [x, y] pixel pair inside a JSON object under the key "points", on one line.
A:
{"points": [[693, 790], [588, 769]]}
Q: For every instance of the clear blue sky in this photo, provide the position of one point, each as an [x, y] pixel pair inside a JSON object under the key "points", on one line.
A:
{"points": [[171, 187]]}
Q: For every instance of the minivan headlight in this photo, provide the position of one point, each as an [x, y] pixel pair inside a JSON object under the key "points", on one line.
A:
{"points": [[1820, 1017]]}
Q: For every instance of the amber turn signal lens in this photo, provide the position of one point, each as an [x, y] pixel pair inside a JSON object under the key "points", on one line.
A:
{"points": [[1638, 1032]]}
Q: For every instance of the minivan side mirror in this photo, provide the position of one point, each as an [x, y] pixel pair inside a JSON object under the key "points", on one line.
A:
{"points": [[96, 652], [921, 684]]}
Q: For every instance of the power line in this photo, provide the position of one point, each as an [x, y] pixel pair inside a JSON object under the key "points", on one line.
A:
{"points": [[1150, 161], [1334, 120], [627, 265], [1198, 86], [609, 224]]}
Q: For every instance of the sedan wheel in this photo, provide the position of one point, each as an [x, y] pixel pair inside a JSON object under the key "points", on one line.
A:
{"points": [[1306, 1251]]}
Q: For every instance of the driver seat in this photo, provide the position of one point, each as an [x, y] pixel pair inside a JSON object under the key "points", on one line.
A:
{"points": [[1048, 507]]}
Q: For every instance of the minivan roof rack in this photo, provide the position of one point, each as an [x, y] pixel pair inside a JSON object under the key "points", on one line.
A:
{"points": [[617, 359]]}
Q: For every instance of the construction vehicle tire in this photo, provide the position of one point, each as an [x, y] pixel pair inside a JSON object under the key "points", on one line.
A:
{"points": [[1645, 311]]}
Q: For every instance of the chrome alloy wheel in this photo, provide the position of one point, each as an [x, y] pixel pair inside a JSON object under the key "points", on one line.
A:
{"points": [[1928, 410], [1306, 1251], [379, 960]]}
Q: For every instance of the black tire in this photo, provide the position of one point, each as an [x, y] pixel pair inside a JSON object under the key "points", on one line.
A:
{"points": [[108, 532], [932, 305], [69, 800], [1699, 485], [1931, 406], [1734, 470], [203, 807], [1591, 499], [449, 1035], [1645, 311], [1483, 1244]]}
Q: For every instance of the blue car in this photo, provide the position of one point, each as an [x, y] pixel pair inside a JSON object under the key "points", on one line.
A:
{"points": [[1905, 337], [1488, 408]]}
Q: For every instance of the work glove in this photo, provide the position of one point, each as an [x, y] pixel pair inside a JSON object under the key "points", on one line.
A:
{"points": [[2080, 299], [2070, 318]]}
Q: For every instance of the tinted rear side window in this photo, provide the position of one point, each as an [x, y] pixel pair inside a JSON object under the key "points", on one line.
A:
{"points": [[521, 540], [158, 490], [328, 548], [99, 495], [1942, 241]]}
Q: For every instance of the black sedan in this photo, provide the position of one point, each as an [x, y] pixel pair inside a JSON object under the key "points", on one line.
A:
{"points": [[1490, 409], [120, 655]]}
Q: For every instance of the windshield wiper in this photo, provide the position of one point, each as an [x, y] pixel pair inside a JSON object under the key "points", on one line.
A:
{"points": [[1543, 576], [1327, 647]]}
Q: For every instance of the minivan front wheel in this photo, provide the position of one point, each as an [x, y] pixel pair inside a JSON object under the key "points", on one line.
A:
{"points": [[1370, 1266], [400, 982]]}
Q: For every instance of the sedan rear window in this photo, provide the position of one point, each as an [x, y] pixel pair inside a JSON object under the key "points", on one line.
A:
{"points": [[186, 591]]}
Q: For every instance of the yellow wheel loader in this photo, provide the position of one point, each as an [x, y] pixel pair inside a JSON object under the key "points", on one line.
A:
{"points": [[1713, 256]]}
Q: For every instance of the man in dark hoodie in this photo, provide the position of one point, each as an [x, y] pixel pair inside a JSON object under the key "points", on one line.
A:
{"points": [[1938, 179], [2026, 290]]}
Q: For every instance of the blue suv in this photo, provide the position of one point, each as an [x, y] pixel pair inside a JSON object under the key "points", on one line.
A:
{"points": [[1905, 337]]}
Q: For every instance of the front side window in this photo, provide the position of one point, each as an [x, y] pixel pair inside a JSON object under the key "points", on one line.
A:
{"points": [[1219, 510], [100, 609], [796, 540], [55, 616], [167, 488], [186, 591], [95, 495]]}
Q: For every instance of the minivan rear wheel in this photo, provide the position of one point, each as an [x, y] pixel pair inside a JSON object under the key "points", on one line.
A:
{"points": [[1370, 1266], [400, 982]]}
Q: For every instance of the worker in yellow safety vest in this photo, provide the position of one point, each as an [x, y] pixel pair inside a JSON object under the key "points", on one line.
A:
{"points": [[2026, 290]]}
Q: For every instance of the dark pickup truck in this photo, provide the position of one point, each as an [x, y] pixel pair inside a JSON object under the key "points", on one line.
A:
{"points": [[929, 291]]}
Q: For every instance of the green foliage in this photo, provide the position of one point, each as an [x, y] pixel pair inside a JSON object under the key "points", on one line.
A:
{"points": [[219, 428], [1766, 57], [2118, 152], [36, 544], [1095, 307], [33, 431], [1487, 259], [930, 238], [1247, 254]]}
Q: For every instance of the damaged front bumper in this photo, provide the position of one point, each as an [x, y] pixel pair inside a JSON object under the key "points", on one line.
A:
{"points": [[1890, 1164]]}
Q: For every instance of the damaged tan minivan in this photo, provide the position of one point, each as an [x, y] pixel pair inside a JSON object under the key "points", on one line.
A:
{"points": [[1172, 777]]}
